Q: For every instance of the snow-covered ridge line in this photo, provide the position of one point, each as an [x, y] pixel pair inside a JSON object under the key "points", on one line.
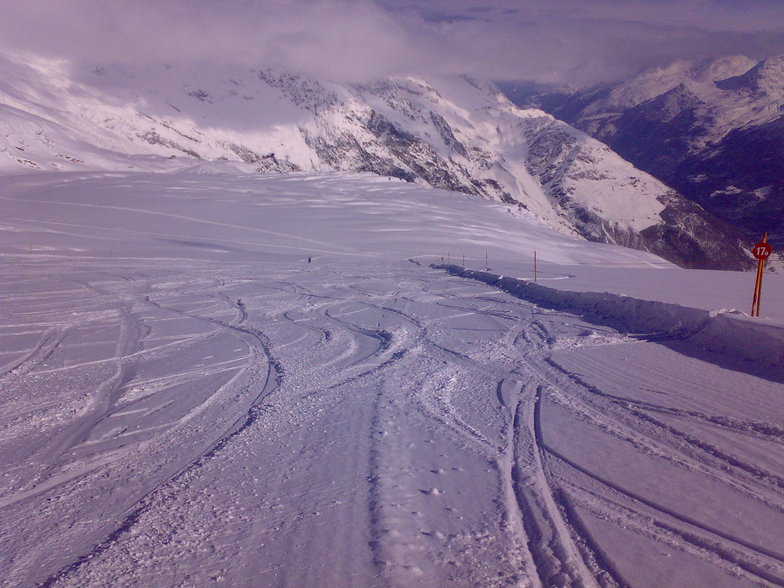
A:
{"points": [[451, 133], [757, 342], [692, 126]]}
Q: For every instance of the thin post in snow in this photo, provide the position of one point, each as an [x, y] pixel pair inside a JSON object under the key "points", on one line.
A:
{"points": [[535, 271], [761, 251], [757, 299]]}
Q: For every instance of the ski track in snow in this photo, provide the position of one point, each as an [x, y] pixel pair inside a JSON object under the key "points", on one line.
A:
{"points": [[388, 425], [231, 414]]}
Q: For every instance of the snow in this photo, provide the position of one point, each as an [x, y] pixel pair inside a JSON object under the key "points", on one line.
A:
{"points": [[736, 91], [719, 330], [210, 377], [56, 116]]}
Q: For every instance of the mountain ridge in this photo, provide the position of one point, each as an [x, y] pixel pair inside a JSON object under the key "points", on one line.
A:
{"points": [[457, 134], [712, 130]]}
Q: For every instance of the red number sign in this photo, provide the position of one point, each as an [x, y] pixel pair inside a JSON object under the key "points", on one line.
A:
{"points": [[761, 250]]}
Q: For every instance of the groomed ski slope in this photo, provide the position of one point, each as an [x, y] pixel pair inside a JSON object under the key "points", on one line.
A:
{"points": [[188, 401]]}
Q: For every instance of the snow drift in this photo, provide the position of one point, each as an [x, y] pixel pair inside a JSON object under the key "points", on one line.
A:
{"points": [[754, 341]]}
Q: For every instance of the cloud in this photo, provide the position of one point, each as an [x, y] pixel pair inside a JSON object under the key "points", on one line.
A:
{"points": [[336, 38], [581, 42], [559, 41]]}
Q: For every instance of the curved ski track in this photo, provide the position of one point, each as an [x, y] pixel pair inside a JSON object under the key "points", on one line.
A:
{"points": [[373, 426]]}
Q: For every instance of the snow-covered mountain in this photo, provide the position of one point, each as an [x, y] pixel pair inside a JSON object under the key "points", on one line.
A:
{"points": [[247, 379], [713, 130], [457, 134]]}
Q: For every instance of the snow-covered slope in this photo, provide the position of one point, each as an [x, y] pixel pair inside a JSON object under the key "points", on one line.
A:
{"points": [[456, 134], [712, 130], [243, 380]]}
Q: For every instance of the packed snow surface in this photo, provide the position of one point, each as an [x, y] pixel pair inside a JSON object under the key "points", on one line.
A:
{"points": [[221, 379]]}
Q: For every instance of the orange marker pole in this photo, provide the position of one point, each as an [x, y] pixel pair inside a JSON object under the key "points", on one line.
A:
{"points": [[755, 302], [761, 251]]}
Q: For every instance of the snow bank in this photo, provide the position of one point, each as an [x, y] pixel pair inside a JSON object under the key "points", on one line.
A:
{"points": [[751, 340]]}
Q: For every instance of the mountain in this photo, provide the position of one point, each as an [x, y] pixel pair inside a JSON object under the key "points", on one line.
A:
{"points": [[713, 130], [457, 134]]}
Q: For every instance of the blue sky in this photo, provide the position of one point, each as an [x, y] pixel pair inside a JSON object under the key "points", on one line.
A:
{"points": [[554, 41]]}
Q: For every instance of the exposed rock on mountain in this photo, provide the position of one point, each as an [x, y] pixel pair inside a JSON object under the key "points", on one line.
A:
{"points": [[714, 131]]}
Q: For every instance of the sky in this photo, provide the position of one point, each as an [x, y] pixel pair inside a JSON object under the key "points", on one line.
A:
{"points": [[576, 42]]}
